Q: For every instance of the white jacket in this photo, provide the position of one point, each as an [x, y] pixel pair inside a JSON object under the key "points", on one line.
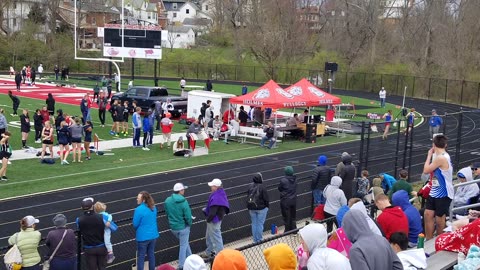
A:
{"points": [[413, 259], [464, 193]]}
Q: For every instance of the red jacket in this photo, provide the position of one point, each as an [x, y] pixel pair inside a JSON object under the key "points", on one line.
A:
{"points": [[166, 125], [393, 220], [45, 116]]}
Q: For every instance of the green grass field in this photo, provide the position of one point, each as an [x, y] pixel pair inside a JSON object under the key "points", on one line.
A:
{"points": [[29, 176]]}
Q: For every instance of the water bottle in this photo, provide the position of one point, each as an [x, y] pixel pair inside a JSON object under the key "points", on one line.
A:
{"points": [[421, 241], [273, 229]]}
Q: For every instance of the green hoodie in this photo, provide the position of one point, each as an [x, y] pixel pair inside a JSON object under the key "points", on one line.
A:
{"points": [[178, 212]]}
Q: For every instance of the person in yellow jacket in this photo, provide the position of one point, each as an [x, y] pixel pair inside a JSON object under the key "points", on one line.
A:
{"points": [[280, 257], [27, 242]]}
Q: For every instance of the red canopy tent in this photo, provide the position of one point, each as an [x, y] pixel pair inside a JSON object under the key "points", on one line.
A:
{"points": [[314, 96], [271, 95]]}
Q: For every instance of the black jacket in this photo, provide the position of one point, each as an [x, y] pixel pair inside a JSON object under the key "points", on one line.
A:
{"points": [[18, 78], [321, 177], [347, 174], [38, 122], [269, 132], [243, 116], [50, 101], [288, 187], [15, 100], [92, 228], [259, 193]]}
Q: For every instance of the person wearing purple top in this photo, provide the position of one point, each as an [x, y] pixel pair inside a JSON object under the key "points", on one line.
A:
{"points": [[217, 208]]}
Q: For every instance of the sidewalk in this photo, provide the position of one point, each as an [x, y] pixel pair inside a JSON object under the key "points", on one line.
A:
{"points": [[102, 145]]}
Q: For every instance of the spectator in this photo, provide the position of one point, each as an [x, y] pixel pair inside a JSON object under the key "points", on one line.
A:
{"points": [[25, 127], [209, 86], [303, 115], [96, 92], [402, 184], [464, 194], [434, 124], [65, 258], [117, 82], [194, 262], [335, 198], [40, 71], [476, 171], [392, 219], [85, 105], [151, 124], [400, 198], [38, 125], [196, 132], [314, 240], [110, 226], [288, 199], [146, 129], [183, 83], [244, 89], [137, 126], [180, 220], [320, 179], [64, 141], [377, 187], [87, 129], [217, 208], [243, 117], [388, 118], [257, 204], [167, 106], [27, 241], [145, 225], [50, 101], [56, 70], [382, 94], [15, 103], [411, 258], [229, 259], [410, 120], [179, 148], [347, 173], [438, 203], [130, 84], [362, 185], [158, 113], [387, 182], [92, 227], [374, 227], [18, 80], [258, 116], [126, 113], [369, 251], [208, 115], [269, 135], [167, 126], [280, 257]]}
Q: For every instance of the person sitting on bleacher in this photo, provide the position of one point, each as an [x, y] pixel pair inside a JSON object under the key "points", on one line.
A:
{"points": [[411, 258], [402, 184], [195, 132], [400, 198], [464, 193], [269, 135], [392, 219]]}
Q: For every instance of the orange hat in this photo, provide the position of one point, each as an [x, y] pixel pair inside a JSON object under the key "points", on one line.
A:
{"points": [[168, 115], [280, 257], [229, 259]]}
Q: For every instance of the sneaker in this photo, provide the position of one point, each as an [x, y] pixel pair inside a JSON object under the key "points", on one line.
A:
{"points": [[38, 141], [110, 258], [112, 133], [126, 133], [25, 147], [65, 162], [116, 135], [146, 149], [4, 179], [88, 158]]}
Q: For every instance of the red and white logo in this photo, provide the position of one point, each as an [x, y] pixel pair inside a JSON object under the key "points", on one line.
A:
{"points": [[316, 92], [296, 91], [262, 94], [284, 93]]}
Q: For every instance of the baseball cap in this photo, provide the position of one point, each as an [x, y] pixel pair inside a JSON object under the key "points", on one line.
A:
{"points": [[460, 175], [87, 203], [30, 220], [215, 183], [476, 165], [433, 110], [178, 187]]}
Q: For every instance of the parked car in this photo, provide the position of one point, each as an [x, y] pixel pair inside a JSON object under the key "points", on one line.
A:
{"points": [[147, 95]]}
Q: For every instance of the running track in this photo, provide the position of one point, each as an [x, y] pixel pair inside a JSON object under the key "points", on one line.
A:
{"points": [[120, 195]]}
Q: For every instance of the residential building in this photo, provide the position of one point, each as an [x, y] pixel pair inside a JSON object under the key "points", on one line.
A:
{"points": [[179, 10], [15, 16], [142, 10], [180, 37]]}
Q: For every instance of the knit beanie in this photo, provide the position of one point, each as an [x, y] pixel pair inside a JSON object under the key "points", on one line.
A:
{"points": [[59, 220], [322, 160], [289, 170], [229, 259], [194, 262], [280, 257]]}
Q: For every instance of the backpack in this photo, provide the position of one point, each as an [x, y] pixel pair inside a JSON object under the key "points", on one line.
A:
{"points": [[253, 199]]}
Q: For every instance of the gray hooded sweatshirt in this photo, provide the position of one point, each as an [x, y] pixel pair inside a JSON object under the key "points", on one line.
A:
{"points": [[369, 251], [321, 258], [334, 195]]}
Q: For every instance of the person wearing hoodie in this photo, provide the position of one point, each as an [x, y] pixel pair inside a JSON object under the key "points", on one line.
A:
{"points": [[412, 259], [194, 262], [230, 259], [400, 198], [374, 227], [463, 194], [179, 217], [288, 198], [369, 251], [217, 207], [320, 179], [314, 241], [146, 130], [146, 229], [347, 173], [335, 199], [280, 257], [387, 182], [257, 204], [392, 219]]}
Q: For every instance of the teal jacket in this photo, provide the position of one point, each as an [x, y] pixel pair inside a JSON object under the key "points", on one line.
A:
{"points": [[178, 212], [27, 243]]}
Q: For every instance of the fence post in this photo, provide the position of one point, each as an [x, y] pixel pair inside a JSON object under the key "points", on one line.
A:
{"points": [[133, 69], [364, 81], [429, 87], [413, 88], [411, 151], [405, 148], [397, 147], [216, 72], [459, 140], [446, 90], [360, 157], [461, 93], [368, 144]]}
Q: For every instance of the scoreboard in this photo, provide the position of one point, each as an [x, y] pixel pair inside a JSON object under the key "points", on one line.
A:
{"points": [[138, 41]]}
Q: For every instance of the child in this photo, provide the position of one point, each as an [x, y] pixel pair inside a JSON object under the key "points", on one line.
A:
{"points": [[110, 226], [410, 258], [146, 129], [362, 185]]}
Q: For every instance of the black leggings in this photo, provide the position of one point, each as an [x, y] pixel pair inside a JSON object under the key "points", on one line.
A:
{"points": [[38, 134], [101, 115], [331, 221], [145, 137], [15, 108]]}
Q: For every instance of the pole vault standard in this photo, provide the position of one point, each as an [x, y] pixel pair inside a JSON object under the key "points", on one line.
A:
{"points": [[114, 62]]}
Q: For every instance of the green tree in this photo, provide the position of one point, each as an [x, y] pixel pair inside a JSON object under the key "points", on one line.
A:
{"points": [[37, 14]]}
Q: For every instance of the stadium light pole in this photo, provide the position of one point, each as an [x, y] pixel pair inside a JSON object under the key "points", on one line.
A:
{"points": [[114, 62]]}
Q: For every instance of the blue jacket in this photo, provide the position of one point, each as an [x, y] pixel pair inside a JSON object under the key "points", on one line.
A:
{"points": [[400, 198], [145, 223], [435, 121], [146, 124], [388, 181]]}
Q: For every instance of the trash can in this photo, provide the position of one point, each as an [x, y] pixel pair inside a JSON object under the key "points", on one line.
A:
{"points": [[329, 115]]}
